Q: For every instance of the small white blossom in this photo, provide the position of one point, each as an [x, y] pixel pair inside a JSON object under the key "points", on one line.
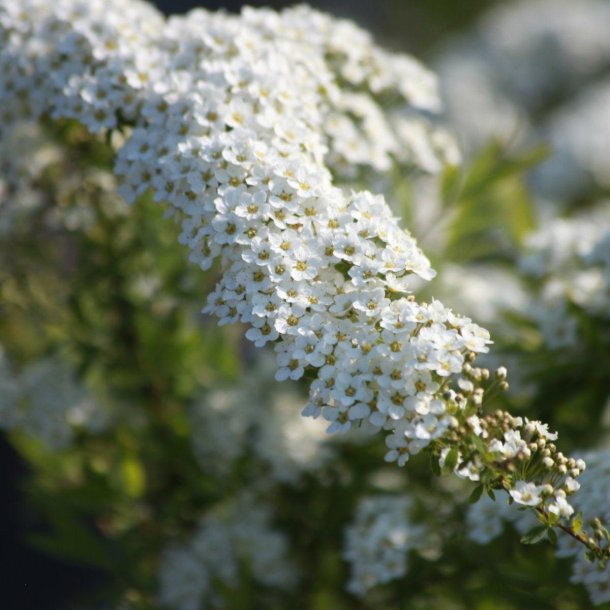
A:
{"points": [[527, 494]]}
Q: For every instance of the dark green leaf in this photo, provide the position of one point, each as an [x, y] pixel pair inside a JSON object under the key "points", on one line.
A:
{"points": [[434, 465], [450, 185], [476, 494], [451, 460], [534, 535]]}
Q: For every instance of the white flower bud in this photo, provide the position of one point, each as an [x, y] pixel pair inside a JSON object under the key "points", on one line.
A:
{"points": [[571, 485], [548, 462], [501, 372]]}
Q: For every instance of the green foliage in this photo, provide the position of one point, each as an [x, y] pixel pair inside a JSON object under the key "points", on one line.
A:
{"points": [[489, 204], [535, 535]]}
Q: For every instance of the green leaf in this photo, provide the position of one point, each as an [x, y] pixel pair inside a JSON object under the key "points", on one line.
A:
{"points": [[451, 184], [434, 465], [552, 536], [133, 477], [491, 494], [74, 540], [476, 494], [534, 535], [451, 460], [490, 204], [577, 523]]}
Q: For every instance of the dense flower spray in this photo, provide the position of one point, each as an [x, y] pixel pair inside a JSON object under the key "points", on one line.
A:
{"points": [[226, 122], [569, 259], [246, 127]]}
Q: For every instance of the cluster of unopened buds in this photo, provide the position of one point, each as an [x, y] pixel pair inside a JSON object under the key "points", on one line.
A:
{"points": [[504, 452], [229, 126], [526, 450]]}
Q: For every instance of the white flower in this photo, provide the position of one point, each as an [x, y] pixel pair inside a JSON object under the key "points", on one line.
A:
{"points": [[560, 506], [541, 429], [527, 494], [513, 444]]}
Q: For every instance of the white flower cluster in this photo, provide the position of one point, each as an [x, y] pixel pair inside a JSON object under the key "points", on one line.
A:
{"points": [[541, 46], [569, 259], [477, 107], [24, 154], [530, 52], [226, 540], [258, 418], [486, 521], [46, 402], [475, 291], [515, 77], [227, 124], [593, 499], [578, 133], [547, 478], [88, 61], [382, 107], [379, 540], [29, 158]]}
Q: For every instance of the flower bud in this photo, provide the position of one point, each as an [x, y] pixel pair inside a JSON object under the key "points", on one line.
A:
{"points": [[501, 373]]}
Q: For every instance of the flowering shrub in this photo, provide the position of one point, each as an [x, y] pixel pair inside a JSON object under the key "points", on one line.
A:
{"points": [[258, 133]]}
